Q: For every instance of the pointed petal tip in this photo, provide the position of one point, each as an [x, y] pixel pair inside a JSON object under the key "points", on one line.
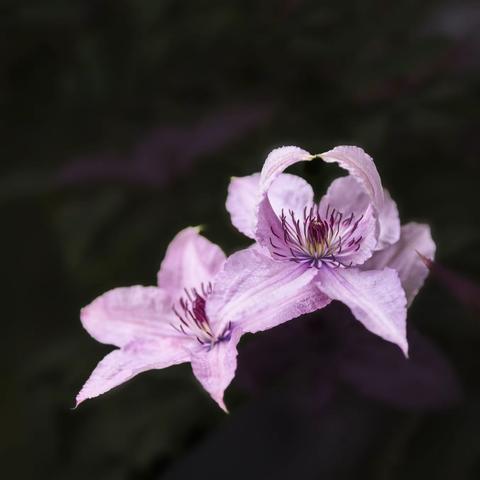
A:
{"points": [[218, 399], [78, 401], [223, 407], [84, 313], [428, 262], [196, 229], [338, 147]]}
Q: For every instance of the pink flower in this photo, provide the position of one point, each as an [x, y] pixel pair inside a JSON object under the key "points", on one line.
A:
{"points": [[350, 245], [202, 305]]}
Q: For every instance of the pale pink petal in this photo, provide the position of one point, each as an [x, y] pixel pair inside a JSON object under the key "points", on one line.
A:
{"points": [[366, 230], [348, 196], [255, 293], [272, 182], [376, 298], [215, 367], [389, 221], [269, 227], [277, 161], [123, 364], [403, 257], [190, 260], [287, 192], [361, 166], [125, 314], [242, 203]]}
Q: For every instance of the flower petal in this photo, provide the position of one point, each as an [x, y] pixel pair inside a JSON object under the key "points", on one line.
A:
{"points": [[125, 314], [123, 364], [215, 368], [360, 165], [287, 192], [277, 161], [375, 297], [365, 230], [403, 257], [242, 203], [389, 221], [348, 196], [190, 260], [268, 224], [290, 192], [255, 293]]}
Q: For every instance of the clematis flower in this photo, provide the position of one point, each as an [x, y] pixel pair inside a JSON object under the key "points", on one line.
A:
{"points": [[201, 307], [350, 244]]}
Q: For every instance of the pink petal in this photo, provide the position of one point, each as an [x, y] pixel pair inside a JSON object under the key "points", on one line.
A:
{"points": [[190, 261], [376, 298], [347, 195], [268, 223], [255, 293], [123, 364], [366, 230], [242, 203], [403, 257], [130, 313], [361, 167], [389, 222], [287, 192], [277, 161], [215, 368]]}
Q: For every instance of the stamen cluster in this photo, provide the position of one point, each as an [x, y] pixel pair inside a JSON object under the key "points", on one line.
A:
{"points": [[193, 317], [317, 240]]}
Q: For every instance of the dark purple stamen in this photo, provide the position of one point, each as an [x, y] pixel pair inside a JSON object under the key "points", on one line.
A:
{"points": [[193, 317], [320, 240]]}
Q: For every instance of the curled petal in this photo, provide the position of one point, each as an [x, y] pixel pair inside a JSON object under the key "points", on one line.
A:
{"points": [[215, 367], [348, 196], [255, 293], [360, 165], [128, 313], [277, 161], [123, 364], [403, 257], [287, 192], [190, 260], [376, 298], [268, 224]]}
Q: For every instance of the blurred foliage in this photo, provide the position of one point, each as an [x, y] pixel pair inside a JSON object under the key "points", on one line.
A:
{"points": [[122, 122]]}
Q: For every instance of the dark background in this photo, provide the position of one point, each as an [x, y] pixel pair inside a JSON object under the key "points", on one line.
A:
{"points": [[121, 122]]}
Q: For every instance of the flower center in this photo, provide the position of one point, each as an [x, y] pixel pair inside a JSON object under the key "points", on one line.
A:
{"points": [[194, 320], [317, 240]]}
